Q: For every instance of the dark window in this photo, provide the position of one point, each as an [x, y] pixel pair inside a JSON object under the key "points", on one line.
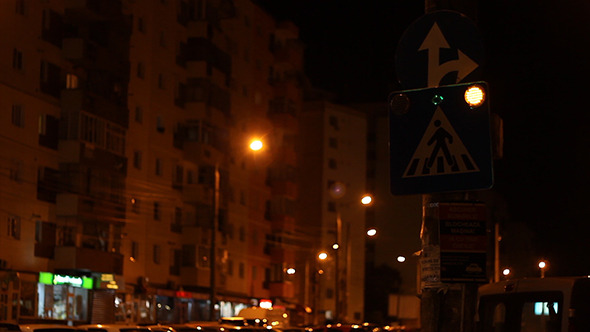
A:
{"points": [[17, 59], [18, 116]]}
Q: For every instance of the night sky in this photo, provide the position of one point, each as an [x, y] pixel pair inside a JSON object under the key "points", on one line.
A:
{"points": [[537, 66]]}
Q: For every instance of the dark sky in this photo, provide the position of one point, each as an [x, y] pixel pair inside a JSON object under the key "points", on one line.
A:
{"points": [[537, 66]]}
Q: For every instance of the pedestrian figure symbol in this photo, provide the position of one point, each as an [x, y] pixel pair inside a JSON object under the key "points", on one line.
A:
{"points": [[440, 151], [440, 137]]}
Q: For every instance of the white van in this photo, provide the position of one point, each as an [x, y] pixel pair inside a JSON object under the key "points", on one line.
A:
{"points": [[557, 304]]}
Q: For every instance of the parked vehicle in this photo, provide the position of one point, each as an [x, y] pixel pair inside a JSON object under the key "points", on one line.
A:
{"points": [[47, 328], [538, 304], [112, 328]]}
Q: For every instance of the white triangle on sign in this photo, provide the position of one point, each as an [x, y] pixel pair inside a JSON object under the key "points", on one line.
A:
{"points": [[440, 151]]}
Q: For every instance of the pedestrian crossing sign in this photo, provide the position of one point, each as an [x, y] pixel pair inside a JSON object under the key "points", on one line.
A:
{"points": [[438, 142]]}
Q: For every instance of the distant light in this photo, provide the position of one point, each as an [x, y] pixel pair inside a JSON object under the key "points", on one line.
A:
{"points": [[475, 96], [401, 259], [256, 145], [290, 270], [366, 200], [542, 264], [372, 232], [322, 255], [335, 246], [320, 271], [506, 271]]}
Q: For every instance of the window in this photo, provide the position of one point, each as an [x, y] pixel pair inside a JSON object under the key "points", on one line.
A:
{"points": [[17, 59], [140, 25], [18, 117], [178, 174], [189, 177], [157, 254], [204, 253], [135, 204], [138, 114], [71, 81], [332, 163], [157, 211], [140, 70], [176, 225], [16, 170], [137, 159], [20, 7], [242, 270], [14, 227], [134, 250], [161, 83], [333, 142], [158, 166], [333, 122], [160, 124], [242, 233]]}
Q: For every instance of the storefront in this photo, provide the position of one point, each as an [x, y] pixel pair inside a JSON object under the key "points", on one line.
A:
{"points": [[63, 297]]}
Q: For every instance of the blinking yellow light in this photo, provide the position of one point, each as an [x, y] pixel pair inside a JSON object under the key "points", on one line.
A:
{"points": [[475, 96]]}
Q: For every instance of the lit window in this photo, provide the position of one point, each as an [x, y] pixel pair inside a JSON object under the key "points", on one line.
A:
{"points": [[71, 81]]}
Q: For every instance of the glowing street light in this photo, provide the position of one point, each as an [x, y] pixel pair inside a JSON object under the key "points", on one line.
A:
{"points": [[401, 259], [543, 265], [371, 232], [322, 255], [256, 144], [366, 199], [506, 272]]}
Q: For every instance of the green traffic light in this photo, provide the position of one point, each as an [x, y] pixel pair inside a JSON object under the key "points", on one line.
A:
{"points": [[437, 99]]}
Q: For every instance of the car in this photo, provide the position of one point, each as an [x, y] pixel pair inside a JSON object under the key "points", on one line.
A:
{"points": [[47, 328], [113, 328], [9, 327]]}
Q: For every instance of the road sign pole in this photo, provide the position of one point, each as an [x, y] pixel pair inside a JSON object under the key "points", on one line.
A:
{"points": [[449, 307]]}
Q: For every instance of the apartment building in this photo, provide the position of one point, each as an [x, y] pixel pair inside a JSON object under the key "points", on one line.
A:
{"points": [[126, 173], [335, 137]]}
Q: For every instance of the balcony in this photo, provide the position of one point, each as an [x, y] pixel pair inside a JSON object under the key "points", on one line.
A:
{"points": [[202, 49], [69, 257]]}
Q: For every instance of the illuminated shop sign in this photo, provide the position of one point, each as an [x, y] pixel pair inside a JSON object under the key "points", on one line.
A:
{"points": [[108, 281], [60, 279]]}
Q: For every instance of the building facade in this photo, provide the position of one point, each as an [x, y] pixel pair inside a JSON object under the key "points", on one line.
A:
{"points": [[126, 173], [335, 138]]}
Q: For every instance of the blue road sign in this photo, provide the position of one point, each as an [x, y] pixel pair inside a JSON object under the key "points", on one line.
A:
{"points": [[440, 48], [438, 142]]}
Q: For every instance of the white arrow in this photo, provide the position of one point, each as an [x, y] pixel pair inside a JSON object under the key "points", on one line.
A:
{"points": [[434, 41]]}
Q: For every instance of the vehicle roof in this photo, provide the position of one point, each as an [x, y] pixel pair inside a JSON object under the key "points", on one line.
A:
{"points": [[114, 327], [45, 326]]}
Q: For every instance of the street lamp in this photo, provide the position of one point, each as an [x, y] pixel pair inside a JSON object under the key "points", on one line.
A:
{"points": [[255, 145], [543, 265], [337, 191]]}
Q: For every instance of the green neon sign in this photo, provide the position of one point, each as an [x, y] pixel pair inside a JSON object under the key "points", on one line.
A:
{"points": [[59, 279]]}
